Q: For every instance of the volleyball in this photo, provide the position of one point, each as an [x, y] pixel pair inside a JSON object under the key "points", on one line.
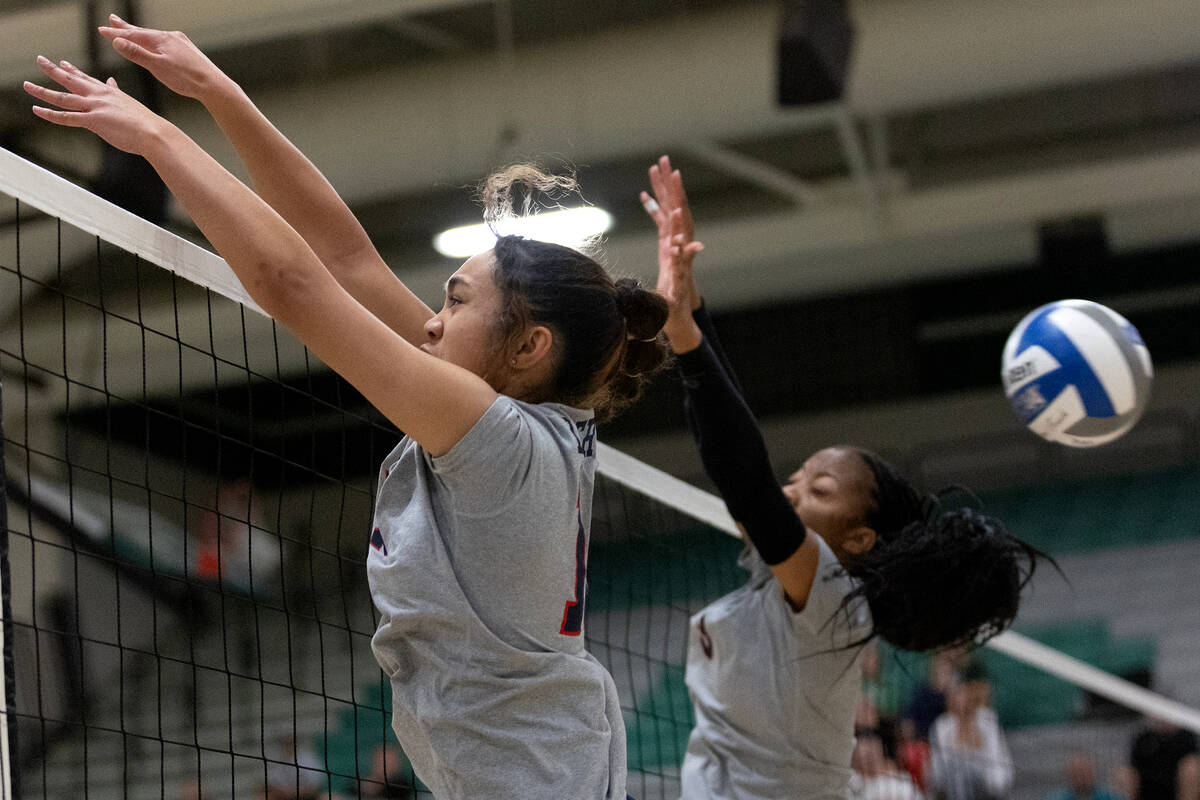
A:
{"points": [[1077, 373]]}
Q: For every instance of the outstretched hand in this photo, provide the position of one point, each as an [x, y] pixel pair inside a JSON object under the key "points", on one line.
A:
{"points": [[99, 106], [677, 250], [677, 247], [170, 56]]}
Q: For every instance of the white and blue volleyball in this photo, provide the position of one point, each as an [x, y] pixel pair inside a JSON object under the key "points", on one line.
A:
{"points": [[1077, 373]]}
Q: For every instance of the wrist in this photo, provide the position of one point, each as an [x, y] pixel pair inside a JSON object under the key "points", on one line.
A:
{"points": [[219, 92], [684, 335], [158, 140]]}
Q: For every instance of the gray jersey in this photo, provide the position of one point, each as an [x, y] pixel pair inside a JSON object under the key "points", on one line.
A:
{"points": [[773, 690], [477, 569]]}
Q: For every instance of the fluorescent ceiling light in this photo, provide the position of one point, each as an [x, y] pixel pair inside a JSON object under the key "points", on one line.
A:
{"points": [[566, 226]]}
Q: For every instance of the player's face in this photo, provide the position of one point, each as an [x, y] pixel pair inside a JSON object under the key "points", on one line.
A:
{"points": [[832, 492], [464, 332]]}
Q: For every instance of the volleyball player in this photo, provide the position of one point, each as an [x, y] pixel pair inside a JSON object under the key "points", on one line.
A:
{"points": [[844, 551], [477, 560]]}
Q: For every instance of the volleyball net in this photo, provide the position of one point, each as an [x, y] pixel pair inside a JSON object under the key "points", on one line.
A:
{"points": [[186, 500]]}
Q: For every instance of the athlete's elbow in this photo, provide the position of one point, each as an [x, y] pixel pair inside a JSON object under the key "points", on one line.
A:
{"points": [[282, 286]]}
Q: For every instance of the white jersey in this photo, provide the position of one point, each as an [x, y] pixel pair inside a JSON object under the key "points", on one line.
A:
{"points": [[774, 690], [477, 567]]}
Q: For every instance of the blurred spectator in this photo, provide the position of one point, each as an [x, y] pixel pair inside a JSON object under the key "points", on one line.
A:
{"points": [[912, 753], [190, 790], [881, 699], [928, 700], [294, 772], [229, 546], [975, 675], [875, 776], [969, 759], [389, 778], [1081, 781], [1164, 764]]}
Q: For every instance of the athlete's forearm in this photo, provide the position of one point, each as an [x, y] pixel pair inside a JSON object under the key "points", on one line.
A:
{"points": [[705, 323], [735, 456], [291, 184], [434, 401], [268, 256]]}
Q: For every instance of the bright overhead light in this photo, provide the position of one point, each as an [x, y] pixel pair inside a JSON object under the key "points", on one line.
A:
{"points": [[572, 227]]}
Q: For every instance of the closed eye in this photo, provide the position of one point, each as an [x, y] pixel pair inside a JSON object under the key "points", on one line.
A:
{"points": [[822, 486], [451, 300]]}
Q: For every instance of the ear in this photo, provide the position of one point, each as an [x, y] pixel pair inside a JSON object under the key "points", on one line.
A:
{"points": [[534, 346], [859, 540]]}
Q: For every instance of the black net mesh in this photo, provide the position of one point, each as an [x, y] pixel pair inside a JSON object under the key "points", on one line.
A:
{"points": [[189, 500]]}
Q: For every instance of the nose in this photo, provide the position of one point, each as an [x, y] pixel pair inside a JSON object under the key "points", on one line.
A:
{"points": [[433, 328], [793, 490]]}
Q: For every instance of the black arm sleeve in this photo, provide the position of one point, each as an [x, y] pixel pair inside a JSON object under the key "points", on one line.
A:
{"points": [[735, 456], [705, 323]]}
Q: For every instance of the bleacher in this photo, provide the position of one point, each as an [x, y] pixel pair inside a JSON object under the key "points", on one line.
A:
{"points": [[1129, 605]]}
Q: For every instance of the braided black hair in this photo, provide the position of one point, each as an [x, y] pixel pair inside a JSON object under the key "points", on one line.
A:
{"points": [[936, 578]]}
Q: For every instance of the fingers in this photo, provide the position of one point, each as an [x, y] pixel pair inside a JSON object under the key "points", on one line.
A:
{"points": [[667, 184], [119, 27], [117, 22], [71, 119], [72, 102], [653, 209], [677, 225], [664, 164], [677, 186], [67, 75], [658, 183], [67, 66], [129, 49], [678, 195], [139, 45], [686, 250], [143, 36], [665, 172]]}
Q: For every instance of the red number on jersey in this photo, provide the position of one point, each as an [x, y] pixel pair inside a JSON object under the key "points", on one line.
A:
{"points": [[572, 623]]}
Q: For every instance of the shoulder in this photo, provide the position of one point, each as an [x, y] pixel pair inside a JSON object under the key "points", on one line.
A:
{"points": [[515, 447], [831, 585], [510, 426], [575, 426]]}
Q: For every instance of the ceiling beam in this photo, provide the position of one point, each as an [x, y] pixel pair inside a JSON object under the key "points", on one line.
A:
{"points": [[426, 35], [766, 176], [752, 261]]}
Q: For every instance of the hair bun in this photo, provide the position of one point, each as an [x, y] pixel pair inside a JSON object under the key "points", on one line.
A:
{"points": [[644, 311]]}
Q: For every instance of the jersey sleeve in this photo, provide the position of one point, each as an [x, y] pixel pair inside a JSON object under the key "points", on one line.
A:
{"points": [[826, 614], [488, 467]]}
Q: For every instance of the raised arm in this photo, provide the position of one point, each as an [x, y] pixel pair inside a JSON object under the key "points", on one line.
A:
{"points": [[730, 442], [433, 401], [672, 215], [281, 174]]}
